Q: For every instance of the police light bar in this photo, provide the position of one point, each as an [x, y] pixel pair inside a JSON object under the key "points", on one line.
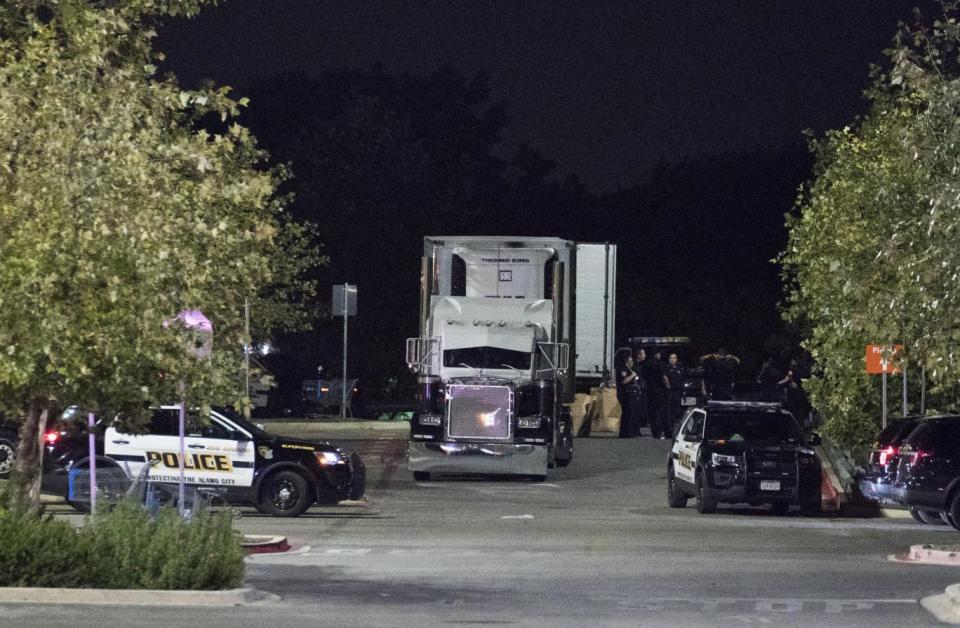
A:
{"points": [[758, 405]]}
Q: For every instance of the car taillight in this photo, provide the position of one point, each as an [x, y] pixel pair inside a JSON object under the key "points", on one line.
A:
{"points": [[886, 453], [915, 457], [51, 437]]}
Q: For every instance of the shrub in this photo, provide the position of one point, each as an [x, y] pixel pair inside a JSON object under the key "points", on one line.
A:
{"points": [[122, 548]]}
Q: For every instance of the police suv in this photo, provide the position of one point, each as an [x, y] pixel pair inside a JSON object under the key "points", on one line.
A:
{"points": [[743, 452], [237, 460]]}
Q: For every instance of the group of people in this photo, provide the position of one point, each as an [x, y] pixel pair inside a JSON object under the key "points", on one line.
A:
{"points": [[650, 392]]}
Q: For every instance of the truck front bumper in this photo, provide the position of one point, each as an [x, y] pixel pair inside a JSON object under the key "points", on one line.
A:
{"points": [[481, 458]]}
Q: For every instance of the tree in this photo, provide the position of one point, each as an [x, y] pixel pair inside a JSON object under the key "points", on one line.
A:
{"points": [[872, 255], [119, 209]]}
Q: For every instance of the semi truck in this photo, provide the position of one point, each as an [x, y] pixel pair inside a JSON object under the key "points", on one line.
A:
{"points": [[510, 329]]}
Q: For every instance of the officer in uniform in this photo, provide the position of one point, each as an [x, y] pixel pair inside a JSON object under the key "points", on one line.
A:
{"points": [[676, 378], [628, 387], [657, 387]]}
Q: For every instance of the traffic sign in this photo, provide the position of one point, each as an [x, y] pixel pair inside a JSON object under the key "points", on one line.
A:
{"points": [[883, 359]]}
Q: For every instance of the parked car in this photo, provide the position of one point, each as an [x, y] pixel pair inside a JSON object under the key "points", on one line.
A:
{"points": [[743, 452], [880, 473], [8, 447], [928, 472], [278, 475]]}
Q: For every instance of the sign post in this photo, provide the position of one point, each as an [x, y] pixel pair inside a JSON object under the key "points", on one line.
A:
{"points": [[884, 359], [344, 303], [92, 445], [193, 322]]}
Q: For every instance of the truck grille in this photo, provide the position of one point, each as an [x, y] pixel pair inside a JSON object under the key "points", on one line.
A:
{"points": [[479, 412]]}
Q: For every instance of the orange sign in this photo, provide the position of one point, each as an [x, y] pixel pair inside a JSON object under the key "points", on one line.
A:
{"points": [[883, 358]]}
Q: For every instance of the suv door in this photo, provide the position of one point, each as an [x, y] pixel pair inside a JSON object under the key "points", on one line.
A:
{"points": [[218, 453], [688, 446]]}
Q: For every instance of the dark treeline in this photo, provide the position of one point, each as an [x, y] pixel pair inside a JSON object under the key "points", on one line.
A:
{"points": [[380, 160]]}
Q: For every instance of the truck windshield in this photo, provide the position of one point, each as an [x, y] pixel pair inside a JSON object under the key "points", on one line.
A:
{"points": [[752, 427], [487, 358]]}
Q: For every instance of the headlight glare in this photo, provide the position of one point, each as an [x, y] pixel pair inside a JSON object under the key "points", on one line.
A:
{"points": [[327, 458], [723, 460]]}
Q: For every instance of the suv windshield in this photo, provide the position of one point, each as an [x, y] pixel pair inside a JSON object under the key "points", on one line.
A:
{"points": [[487, 358], [752, 426]]}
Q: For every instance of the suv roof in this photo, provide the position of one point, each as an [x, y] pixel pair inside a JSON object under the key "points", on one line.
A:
{"points": [[935, 433], [897, 430], [744, 405]]}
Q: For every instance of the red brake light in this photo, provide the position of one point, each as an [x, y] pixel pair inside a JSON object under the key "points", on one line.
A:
{"points": [[51, 437], [886, 453], [917, 456]]}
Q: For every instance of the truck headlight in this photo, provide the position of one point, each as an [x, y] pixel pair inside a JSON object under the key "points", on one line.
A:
{"points": [[429, 419], [722, 460], [528, 422], [327, 458]]}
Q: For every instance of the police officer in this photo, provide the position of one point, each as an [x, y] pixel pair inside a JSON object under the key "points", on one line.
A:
{"points": [[720, 373], [657, 387], [676, 378], [628, 386]]}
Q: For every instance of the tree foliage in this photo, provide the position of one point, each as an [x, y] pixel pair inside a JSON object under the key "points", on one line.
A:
{"points": [[872, 255], [119, 208]]}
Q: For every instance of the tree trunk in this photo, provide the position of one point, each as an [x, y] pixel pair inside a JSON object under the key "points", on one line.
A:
{"points": [[25, 480]]}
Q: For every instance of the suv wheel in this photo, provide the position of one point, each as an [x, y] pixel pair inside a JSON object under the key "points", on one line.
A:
{"points": [[954, 512], [927, 516], [284, 494], [8, 455], [705, 505], [675, 497], [813, 506]]}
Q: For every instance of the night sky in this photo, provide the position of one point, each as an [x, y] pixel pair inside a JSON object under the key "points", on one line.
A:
{"points": [[603, 88], [675, 130]]}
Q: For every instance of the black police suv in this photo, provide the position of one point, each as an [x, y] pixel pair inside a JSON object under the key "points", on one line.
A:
{"points": [[880, 472], [743, 452], [241, 462], [928, 472]]}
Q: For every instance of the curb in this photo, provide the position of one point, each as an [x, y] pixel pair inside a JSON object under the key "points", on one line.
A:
{"points": [[134, 597], [257, 544], [946, 606], [932, 555], [831, 498]]}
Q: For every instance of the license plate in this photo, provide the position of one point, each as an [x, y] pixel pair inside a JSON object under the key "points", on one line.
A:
{"points": [[768, 485], [689, 401]]}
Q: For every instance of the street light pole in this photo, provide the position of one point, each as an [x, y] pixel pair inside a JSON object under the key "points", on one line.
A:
{"points": [[343, 400]]}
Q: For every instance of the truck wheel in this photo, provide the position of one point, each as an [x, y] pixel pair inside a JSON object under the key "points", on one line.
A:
{"points": [[8, 456], [284, 494], [565, 462], [421, 476], [705, 505], [915, 514], [675, 497]]}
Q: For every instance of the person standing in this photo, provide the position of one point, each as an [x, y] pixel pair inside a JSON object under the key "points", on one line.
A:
{"points": [[657, 385], [771, 380], [721, 368], [676, 378], [627, 393]]}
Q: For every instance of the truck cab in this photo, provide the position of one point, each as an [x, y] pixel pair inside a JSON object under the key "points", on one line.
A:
{"points": [[494, 357]]}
